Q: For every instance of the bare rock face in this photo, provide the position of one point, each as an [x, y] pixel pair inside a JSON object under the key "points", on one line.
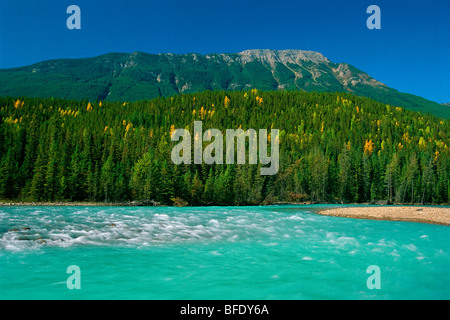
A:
{"points": [[348, 77], [282, 56]]}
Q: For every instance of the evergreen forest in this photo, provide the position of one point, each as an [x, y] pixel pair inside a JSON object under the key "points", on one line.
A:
{"points": [[334, 148]]}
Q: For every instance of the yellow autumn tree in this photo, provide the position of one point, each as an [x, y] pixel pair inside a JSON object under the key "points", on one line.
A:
{"points": [[202, 112], [422, 143], [226, 102], [128, 127], [368, 147]]}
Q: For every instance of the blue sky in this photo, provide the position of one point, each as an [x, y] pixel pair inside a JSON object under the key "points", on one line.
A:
{"points": [[411, 52]]}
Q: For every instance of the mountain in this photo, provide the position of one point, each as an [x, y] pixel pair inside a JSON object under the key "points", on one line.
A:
{"points": [[136, 76]]}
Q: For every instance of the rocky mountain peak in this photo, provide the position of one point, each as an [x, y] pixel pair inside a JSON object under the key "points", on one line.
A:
{"points": [[281, 56]]}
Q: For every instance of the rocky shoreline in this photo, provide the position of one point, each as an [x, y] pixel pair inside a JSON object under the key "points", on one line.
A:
{"points": [[432, 215]]}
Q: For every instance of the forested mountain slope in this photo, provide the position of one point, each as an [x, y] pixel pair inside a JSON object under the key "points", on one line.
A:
{"points": [[137, 76], [333, 147]]}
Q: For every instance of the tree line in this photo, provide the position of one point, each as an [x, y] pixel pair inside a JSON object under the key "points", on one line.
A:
{"points": [[334, 147]]}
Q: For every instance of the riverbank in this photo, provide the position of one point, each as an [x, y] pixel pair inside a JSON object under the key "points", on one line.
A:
{"points": [[433, 215], [83, 204]]}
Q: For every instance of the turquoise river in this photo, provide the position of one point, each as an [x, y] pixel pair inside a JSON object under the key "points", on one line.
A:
{"points": [[251, 253]]}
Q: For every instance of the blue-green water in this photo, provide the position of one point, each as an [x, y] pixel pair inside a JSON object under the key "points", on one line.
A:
{"points": [[276, 252]]}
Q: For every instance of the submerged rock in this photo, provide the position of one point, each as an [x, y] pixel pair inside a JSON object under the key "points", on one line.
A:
{"points": [[144, 203]]}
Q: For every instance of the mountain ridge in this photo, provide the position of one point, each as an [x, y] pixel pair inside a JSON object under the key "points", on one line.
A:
{"points": [[139, 75]]}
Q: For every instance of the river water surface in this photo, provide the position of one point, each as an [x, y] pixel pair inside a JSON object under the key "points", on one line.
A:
{"points": [[274, 252]]}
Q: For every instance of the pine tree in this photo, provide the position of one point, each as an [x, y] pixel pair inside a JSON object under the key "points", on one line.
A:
{"points": [[442, 183], [391, 178], [319, 175], [366, 178], [345, 175], [186, 186], [196, 189], [220, 187], [428, 180], [38, 191], [228, 185], [167, 189], [51, 177], [108, 177], [208, 194], [241, 187], [411, 172], [256, 183], [7, 177], [140, 178]]}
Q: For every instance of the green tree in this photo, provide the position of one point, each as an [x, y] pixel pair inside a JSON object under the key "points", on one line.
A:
{"points": [[319, 175], [38, 190], [411, 172], [345, 175], [392, 177], [208, 194], [196, 190], [140, 178], [7, 171], [428, 181], [108, 178]]}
